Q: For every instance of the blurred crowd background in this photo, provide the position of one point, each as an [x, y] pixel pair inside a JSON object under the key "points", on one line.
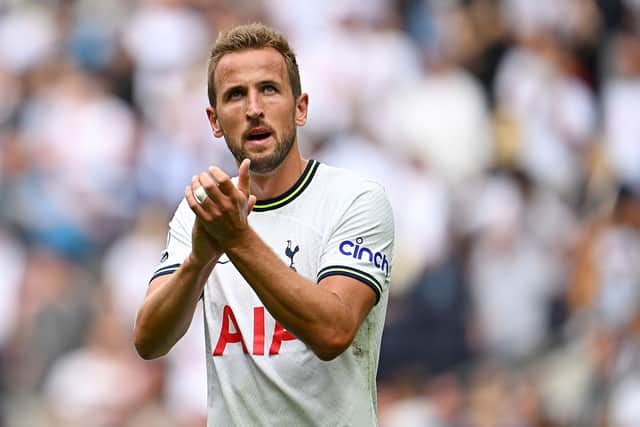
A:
{"points": [[507, 135]]}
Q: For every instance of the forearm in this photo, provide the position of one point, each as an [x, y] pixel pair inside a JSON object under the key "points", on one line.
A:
{"points": [[312, 313], [168, 309]]}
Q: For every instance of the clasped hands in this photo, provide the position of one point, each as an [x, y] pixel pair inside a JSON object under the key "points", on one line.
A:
{"points": [[223, 213]]}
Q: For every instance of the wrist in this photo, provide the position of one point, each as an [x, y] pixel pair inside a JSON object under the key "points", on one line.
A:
{"points": [[240, 241], [199, 262]]}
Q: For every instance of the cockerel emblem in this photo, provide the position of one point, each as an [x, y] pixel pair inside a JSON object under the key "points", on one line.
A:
{"points": [[290, 253]]}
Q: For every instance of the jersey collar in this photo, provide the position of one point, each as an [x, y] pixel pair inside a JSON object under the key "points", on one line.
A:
{"points": [[292, 193]]}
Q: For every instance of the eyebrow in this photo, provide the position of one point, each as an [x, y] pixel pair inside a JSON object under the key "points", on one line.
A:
{"points": [[269, 82]]}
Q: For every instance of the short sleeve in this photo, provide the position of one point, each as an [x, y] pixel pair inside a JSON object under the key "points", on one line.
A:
{"points": [[361, 244], [178, 244]]}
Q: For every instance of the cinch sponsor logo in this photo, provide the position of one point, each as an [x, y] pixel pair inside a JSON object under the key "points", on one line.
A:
{"points": [[358, 251]]}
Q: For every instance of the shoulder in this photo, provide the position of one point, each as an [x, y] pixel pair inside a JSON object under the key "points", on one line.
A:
{"points": [[352, 195], [348, 182]]}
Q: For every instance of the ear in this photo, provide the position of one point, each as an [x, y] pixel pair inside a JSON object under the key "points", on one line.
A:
{"points": [[216, 127], [302, 106]]}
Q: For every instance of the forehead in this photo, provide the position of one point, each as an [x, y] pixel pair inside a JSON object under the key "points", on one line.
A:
{"points": [[248, 66]]}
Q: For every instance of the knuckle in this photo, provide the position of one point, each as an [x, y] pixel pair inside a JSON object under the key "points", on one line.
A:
{"points": [[227, 206], [219, 174], [203, 177], [216, 215]]}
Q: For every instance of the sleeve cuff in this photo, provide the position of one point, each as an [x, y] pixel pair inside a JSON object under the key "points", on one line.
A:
{"points": [[164, 270], [342, 270]]}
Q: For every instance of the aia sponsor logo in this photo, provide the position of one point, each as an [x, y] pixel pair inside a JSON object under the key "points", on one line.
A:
{"points": [[230, 333]]}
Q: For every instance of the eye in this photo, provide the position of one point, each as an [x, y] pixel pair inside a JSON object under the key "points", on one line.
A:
{"points": [[234, 94], [269, 89]]}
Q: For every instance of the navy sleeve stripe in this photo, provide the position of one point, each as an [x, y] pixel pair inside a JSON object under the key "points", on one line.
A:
{"points": [[163, 272], [168, 267], [341, 270]]}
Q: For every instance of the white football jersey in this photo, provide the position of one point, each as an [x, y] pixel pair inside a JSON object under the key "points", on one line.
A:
{"points": [[330, 222]]}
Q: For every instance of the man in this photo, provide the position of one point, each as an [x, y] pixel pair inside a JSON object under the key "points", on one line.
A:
{"points": [[294, 294]]}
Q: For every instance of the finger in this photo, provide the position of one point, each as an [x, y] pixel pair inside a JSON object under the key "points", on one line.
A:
{"points": [[191, 200], [210, 185], [200, 194], [204, 210], [251, 203], [197, 189], [225, 185], [244, 178]]}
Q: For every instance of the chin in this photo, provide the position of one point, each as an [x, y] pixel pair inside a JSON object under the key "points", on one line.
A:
{"points": [[266, 163], [263, 167]]}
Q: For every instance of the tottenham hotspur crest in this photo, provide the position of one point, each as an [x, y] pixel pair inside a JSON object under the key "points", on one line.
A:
{"points": [[290, 253]]}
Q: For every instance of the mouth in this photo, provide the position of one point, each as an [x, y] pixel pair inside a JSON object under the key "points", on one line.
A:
{"points": [[258, 134]]}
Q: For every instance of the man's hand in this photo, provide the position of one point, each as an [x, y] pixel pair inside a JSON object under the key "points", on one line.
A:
{"points": [[223, 214], [204, 248]]}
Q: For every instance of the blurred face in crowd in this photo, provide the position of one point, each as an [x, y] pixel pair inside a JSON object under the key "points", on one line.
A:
{"points": [[256, 110]]}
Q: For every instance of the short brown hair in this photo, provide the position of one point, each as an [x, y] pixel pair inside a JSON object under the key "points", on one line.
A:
{"points": [[252, 36]]}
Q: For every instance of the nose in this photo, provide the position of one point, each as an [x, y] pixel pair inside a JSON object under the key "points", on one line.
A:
{"points": [[254, 105]]}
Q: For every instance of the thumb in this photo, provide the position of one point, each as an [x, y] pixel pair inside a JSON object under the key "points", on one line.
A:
{"points": [[244, 178]]}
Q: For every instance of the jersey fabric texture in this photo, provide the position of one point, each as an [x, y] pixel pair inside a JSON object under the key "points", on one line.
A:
{"points": [[330, 222]]}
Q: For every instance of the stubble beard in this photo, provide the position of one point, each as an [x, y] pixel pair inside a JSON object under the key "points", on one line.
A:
{"points": [[262, 164]]}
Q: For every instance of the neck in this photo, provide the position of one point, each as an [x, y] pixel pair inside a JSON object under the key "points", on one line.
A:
{"points": [[272, 184]]}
